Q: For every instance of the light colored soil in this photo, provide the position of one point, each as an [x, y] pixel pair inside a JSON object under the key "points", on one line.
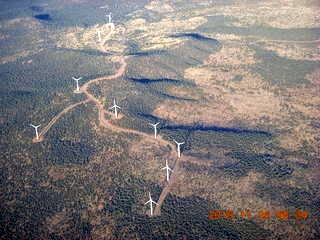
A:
{"points": [[294, 51], [160, 6], [285, 14], [157, 35]]}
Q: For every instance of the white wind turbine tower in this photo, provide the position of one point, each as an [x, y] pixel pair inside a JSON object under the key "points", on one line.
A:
{"points": [[36, 129], [155, 128], [178, 147], [167, 169], [151, 202], [115, 107], [109, 18], [110, 23], [77, 80]]}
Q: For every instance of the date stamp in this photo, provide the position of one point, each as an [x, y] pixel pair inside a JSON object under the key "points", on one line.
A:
{"points": [[263, 215]]}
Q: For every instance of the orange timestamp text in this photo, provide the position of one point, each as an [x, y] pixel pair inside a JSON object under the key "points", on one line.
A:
{"points": [[298, 214]]}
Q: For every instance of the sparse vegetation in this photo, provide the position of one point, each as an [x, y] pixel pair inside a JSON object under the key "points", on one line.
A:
{"points": [[237, 81]]}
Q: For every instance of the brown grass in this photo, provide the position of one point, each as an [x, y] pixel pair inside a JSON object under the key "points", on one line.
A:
{"points": [[294, 51], [159, 6], [314, 77], [29, 31], [155, 35], [284, 14], [56, 173], [151, 160]]}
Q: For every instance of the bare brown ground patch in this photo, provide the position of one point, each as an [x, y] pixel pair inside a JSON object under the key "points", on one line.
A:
{"points": [[228, 83], [151, 159], [303, 105], [294, 51], [235, 54], [231, 90], [191, 113], [255, 105]]}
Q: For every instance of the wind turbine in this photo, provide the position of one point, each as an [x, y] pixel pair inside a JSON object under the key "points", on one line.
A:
{"points": [[36, 129], [168, 169], [115, 107], [77, 80], [109, 18], [151, 202], [155, 128], [178, 147]]}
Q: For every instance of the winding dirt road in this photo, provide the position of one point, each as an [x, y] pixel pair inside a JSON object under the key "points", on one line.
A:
{"points": [[107, 123]]}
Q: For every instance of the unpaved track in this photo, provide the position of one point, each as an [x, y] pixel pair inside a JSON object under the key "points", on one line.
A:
{"points": [[56, 118], [166, 189], [107, 123]]}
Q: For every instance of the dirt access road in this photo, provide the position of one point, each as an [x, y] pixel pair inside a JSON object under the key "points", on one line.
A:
{"points": [[106, 123]]}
